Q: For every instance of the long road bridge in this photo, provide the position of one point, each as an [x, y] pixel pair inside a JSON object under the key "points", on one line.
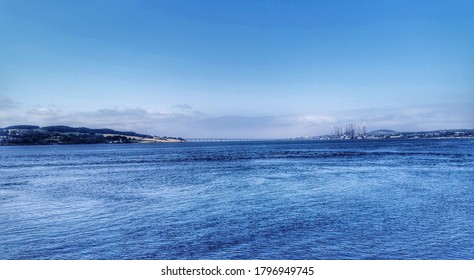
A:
{"points": [[234, 139]]}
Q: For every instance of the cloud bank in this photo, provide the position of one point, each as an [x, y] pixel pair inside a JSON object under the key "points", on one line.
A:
{"points": [[184, 121]]}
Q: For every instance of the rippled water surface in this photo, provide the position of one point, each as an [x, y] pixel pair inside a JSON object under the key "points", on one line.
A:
{"points": [[261, 200]]}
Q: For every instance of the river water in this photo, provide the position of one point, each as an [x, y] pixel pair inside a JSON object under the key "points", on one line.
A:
{"points": [[239, 200]]}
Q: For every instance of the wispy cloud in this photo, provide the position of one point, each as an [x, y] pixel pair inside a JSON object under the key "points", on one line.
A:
{"points": [[182, 107], [6, 103]]}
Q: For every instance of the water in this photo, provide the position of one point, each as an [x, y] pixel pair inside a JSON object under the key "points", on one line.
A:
{"points": [[262, 200]]}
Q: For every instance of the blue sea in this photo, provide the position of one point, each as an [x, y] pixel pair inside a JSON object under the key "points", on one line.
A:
{"points": [[391, 199]]}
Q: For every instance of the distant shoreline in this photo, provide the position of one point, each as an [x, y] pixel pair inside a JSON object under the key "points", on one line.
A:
{"points": [[28, 135], [244, 141], [23, 135]]}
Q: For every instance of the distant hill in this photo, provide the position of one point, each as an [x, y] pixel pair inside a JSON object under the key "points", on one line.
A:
{"points": [[22, 127], [61, 134], [68, 129], [383, 132]]}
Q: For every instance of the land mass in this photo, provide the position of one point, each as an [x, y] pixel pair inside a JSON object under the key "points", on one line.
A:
{"points": [[392, 134], [49, 135]]}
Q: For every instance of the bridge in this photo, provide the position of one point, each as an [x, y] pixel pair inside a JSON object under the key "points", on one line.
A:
{"points": [[233, 139]]}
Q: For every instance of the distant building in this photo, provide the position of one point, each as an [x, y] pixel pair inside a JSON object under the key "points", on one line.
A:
{"points": [[350, 131]]}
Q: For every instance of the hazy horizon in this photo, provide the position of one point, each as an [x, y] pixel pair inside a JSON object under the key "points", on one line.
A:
{"points": [[246, 69]]}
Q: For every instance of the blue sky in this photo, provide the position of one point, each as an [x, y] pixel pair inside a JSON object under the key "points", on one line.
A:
{"points": [[237, 68]]}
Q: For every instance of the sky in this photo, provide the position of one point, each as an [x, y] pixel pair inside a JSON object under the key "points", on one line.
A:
{"points": [[237, 68]]}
